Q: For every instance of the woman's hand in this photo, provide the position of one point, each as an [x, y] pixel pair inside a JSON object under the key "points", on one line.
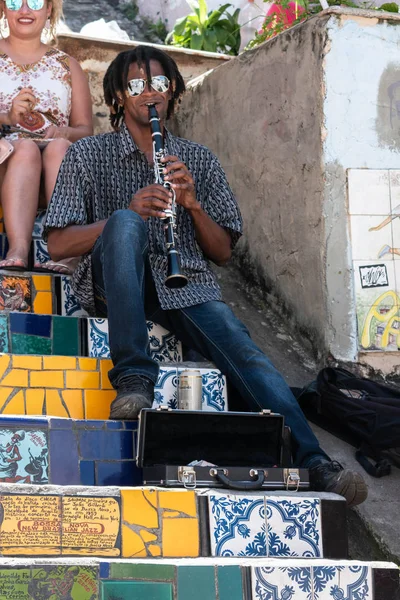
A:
{"points": [[24, 102], [56, 132]]}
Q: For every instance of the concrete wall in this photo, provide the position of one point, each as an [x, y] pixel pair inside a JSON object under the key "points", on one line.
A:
{"points": [[95, 56], [268, 106], [288, 120]]}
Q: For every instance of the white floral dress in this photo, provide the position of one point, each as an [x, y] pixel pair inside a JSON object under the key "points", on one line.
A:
{"points": [[50, 81]]}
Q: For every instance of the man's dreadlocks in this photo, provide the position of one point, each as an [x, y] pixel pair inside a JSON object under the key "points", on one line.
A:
{"points": [[115, 81]]}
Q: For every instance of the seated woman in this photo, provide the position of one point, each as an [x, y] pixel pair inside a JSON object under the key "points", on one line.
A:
{"points": [[45, 99]]}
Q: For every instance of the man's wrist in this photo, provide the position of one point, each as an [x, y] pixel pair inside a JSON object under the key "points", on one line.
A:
{"points": [[195, 209], [5, 119]]}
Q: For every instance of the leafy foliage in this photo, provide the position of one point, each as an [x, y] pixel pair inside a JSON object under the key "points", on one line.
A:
{"points": [[212, 31], [390, 7]]}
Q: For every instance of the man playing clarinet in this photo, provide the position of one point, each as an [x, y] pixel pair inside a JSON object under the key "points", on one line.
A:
{"points": [[107, 208]]}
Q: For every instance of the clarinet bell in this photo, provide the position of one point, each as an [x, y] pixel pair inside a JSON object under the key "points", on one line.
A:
{"points": [[175, 279]]}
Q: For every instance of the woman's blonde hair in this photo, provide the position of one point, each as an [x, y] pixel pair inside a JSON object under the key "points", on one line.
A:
{"points": [[56, 14]]}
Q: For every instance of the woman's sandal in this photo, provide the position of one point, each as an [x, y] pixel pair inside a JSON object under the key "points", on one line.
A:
{"points": [[13, 266], [48, 267]]}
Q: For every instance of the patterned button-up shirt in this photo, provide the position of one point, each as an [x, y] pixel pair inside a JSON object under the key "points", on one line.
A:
{"points": [[100, 174]]}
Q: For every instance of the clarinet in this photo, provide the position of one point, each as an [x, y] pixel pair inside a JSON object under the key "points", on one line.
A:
{"points": [[175, 278]]}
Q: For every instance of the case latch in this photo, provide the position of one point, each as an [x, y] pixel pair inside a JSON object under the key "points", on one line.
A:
{"points": [[164, 408], [266, 411], [187, 476], [291, 478]]}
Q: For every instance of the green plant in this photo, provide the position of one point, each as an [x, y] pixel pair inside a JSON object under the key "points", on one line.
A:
{"points": [[213, 31], [390, 7], [131, 10]]}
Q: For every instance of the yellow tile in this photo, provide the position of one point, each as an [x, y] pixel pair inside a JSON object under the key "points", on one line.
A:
{"points": [[16, 378], [87, 364], [147, 536], [34, 402], [16, 406], [97, 403], [180, 537], [47, 379], [74, 401], [105, 366], [132, 544], [82, 380], [54, 406], [4, 395], [154, 550], [27, 362], [170, 515], [43, 303], [112, 552], [59, 362], [151, 496], [32, 551], [182, 501], [4, 363], [42, 283], [137, 510]]}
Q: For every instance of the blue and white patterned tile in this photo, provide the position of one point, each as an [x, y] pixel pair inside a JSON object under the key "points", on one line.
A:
{"points": [[164, 347], [237, 525], [282, 583], [40, 253], [99, 345], [37, 232], [294, 526], [302, 580], [69, 303], [214, 396]]}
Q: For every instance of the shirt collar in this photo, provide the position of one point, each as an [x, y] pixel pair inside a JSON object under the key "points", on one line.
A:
{"points": [[129, 146]]}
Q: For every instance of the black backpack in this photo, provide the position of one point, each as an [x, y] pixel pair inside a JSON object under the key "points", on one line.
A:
{"points": [[362, 412]]}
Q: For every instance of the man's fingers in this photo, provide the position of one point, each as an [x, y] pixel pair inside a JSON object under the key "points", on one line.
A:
{"points": [[179, 174]]}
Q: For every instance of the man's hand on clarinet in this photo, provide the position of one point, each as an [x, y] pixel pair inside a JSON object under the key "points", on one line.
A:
{"points": [[151, 201], [177, 174]]}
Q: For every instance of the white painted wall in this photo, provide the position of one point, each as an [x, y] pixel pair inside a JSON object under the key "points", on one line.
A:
{"points": [[361, 131]]}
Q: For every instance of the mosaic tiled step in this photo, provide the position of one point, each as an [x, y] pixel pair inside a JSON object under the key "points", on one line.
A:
{"points": [[27, 333], [102, 521], [200, 579], [156, 521], [100, 453], [79, 388], [275, 524]]}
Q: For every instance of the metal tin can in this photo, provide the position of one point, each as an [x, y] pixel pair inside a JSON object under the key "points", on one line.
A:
{"points": [[190, 390]]}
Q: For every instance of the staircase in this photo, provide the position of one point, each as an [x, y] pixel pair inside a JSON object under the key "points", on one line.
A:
{"points": [[76, 521]]}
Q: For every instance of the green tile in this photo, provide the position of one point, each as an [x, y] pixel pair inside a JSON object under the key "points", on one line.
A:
{"points": [[14, 583], [142, 571], [136, 590], [29, 344], [73, 582], [66, 336], [196, 583], [230, 583], [4, 333]]}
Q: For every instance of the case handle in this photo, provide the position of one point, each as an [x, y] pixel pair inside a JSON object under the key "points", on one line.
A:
{"points": [[239, 485]]}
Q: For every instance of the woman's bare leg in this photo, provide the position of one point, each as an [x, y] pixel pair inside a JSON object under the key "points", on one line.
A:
{"points": [[52, 159], [19, 198]]}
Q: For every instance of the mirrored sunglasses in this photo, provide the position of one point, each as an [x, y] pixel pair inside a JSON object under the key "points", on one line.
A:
{"points": [[17, 4], [159, 83]]}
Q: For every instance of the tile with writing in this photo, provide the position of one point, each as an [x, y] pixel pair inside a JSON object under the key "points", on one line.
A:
{"points": [[24, 455], [61, 582], [15, 293]]}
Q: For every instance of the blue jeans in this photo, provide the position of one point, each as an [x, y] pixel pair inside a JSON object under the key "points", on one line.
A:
{"points": [[125, 292]]}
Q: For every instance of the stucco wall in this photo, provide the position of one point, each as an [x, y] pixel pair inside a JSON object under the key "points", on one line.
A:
{"points": [[95, 56], [261, 114], [361, 123]]}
